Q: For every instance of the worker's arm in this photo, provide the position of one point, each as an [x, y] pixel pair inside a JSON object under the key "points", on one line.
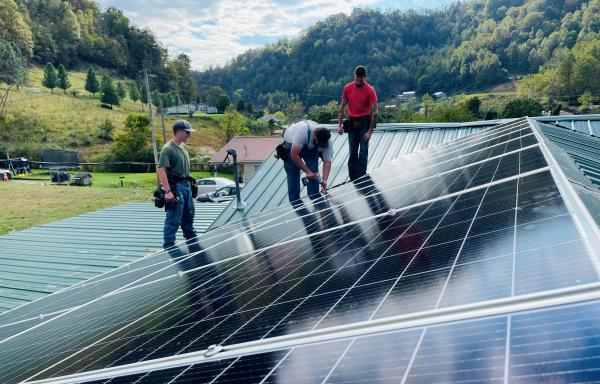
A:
{"points": [[341, 116], [164, 182], [374, 113], [295, 152], [326, 170]]}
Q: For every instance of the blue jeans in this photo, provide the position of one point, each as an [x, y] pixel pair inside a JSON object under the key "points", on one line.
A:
{"points": [[358, 150], [311, 158], [180, 214]]}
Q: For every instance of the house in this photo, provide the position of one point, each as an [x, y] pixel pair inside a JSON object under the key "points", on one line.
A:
{"points": [[439, 95], [251, 152], [211, 110], [183, 109], [409, 95]]}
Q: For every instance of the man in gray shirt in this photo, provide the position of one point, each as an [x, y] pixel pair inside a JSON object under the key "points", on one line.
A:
{"points": [[173, 173], [306, 142]]}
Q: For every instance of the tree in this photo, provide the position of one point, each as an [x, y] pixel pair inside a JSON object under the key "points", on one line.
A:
{"points": [[428, 103], [294, 111], [121, 90], [91, 82], [63, 78], [50, 79], [472, 105], [324, 113], [586, 100], [134, 92], [522, 107], [232, 124], [222, 103], [108, 92], [14, 28], [12, 69], [134, 143], [241, 106]]}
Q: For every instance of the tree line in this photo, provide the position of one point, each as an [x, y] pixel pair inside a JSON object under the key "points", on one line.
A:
{"points": [[470, 45], [76, 33]]}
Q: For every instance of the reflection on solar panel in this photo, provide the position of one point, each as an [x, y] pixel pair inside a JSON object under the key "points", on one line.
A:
{"points": [[469, 262]]}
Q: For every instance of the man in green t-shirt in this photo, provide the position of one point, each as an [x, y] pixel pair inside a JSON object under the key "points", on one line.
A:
{"points": [[173, 172]]}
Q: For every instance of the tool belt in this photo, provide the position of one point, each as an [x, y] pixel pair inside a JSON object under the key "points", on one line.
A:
{"points": [[281, 151], [354, 123], [173, 180]]}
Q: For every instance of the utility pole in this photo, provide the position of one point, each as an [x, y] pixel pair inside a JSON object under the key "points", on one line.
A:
{"points": [[154, 148], [162, 119]]}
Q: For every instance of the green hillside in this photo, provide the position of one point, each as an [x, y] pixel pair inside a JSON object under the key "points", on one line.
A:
{"points": [[467, 46], [40, 119]]}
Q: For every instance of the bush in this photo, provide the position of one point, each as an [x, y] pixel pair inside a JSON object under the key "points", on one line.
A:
{"points": [[522, 107], [106, 131]]}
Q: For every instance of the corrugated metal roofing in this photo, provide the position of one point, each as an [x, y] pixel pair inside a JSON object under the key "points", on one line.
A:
{"points": [[583, 148], [248, 148], [44, 259]]}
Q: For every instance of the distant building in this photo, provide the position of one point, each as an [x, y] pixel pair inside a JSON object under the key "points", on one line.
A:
{"points": [[251, 152], [276, 120], [409, 95], [391, 106], [183, 109], [439, 95], [211, 110]]}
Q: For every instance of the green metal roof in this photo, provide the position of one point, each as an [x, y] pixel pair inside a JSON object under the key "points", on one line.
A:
{"points": [[44, 259]]}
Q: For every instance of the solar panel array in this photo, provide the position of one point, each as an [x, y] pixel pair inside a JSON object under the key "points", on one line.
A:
{"points": [[462, 263]]}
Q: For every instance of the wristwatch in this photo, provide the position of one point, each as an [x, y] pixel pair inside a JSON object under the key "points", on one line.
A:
{"points": [[166, 191]]}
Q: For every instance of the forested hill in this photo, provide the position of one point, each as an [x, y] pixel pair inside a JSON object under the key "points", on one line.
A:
{"points": [[76, 33], [465, 46]]}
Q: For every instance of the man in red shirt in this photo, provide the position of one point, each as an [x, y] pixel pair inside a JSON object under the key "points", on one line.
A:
{"points": [[361, 99]]}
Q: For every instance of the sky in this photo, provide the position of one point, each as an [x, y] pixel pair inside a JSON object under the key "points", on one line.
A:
{"points": [[213, 32]]}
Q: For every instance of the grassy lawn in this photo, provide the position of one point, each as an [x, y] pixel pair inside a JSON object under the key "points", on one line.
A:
{"points": [[28, 203]]}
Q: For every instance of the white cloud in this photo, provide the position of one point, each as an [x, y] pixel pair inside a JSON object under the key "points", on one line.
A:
{"points": [[214, 32]]}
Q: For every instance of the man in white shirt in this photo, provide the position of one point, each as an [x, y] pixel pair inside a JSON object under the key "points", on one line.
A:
{"points": [[306, 142]]}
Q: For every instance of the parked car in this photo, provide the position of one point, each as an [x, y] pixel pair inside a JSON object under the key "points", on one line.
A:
{"points": [[224, 194], [211, 184]]}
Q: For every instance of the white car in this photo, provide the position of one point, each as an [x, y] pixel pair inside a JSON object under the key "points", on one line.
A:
{"points": [[211, 184], [227, 193]]}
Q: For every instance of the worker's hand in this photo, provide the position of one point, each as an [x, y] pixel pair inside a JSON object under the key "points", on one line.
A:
{"points": [[169, 197], [340, 129], [324, 186], [368, 135], [311, 175]]}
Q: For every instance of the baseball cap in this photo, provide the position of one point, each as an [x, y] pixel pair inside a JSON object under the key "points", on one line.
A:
{"points": [[323, 136], [183, 124]]}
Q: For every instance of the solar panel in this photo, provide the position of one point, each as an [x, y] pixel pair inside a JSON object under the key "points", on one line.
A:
{"points": [[469, 223]]}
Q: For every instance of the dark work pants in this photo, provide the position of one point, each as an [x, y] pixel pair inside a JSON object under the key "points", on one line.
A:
{"points": [[358, 149]]}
